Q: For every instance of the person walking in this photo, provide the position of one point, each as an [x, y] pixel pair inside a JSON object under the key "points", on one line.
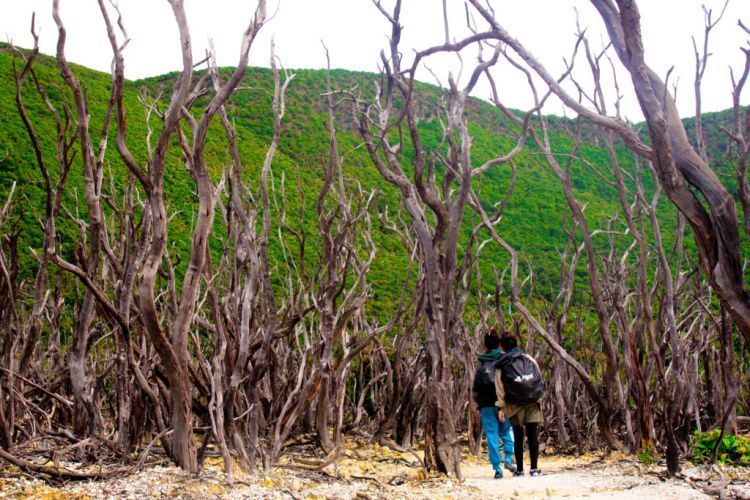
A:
{"points": [[519, 387], [496, 426]]}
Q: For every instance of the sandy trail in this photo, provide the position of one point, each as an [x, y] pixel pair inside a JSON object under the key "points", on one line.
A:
{"points": [[570, 478]]}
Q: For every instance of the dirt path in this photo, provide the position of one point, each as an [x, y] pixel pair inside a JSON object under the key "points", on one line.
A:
{"points": [[369, 473], [566, 478]]}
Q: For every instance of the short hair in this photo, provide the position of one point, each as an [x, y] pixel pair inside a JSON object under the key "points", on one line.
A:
{"points": [[491, 340], [508, 341]]}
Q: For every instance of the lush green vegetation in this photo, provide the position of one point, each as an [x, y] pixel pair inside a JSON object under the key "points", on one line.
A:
{"points": [[533, 220], [729, 449]]}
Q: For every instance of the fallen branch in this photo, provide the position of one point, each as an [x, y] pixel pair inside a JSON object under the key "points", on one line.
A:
{"points": [[60, 472], [369, 478], [390, 444], [314, 467], [147, 449]]}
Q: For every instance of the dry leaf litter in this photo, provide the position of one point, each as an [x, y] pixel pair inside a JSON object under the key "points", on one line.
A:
{"points": [[364, 471]]}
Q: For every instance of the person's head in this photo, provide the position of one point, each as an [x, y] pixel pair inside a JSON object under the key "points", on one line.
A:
{"points": [[508, 341], [491, 340]]}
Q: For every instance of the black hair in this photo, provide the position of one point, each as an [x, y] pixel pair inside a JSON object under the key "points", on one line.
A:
{"points": [[508, 341], [491, 340]]}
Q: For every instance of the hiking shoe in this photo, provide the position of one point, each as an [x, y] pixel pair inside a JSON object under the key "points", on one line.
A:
{"points": [[511, 466], [518, 473], [534, 472], [498, 474]]}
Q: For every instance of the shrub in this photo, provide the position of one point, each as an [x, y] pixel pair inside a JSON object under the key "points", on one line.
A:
{"points": [[731, 450], [648, 455]]}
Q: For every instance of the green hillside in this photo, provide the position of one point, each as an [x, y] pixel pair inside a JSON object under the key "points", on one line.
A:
{"points": [[532, 221]]}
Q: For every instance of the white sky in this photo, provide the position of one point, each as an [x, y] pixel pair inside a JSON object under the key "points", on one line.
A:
{"points": [[355, 32]]}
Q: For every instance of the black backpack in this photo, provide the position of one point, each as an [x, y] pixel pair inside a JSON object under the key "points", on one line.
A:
{"points": [[522, 381]]}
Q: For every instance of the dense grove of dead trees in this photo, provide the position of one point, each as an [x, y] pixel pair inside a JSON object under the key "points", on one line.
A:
{"points": [[110, 353]]}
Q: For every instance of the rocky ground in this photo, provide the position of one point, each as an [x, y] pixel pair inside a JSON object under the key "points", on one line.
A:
{"points": [[367, 472]]}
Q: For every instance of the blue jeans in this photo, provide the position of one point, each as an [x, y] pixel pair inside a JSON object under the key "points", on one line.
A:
{"points": [[494, 431]]}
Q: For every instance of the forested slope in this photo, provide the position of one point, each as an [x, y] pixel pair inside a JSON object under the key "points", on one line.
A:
{"points": [[533, 220]]}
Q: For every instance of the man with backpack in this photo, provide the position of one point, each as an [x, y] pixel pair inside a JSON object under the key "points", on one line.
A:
{"points": [[496, 427], [519, 386]]}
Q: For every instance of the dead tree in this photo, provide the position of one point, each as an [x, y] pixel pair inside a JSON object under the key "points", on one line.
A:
{"points": [[92, 159], [65, 140], [252, 318], [401, 394], [9, 268], [172, 348], [336, 302], [444, 199], [740, 134]]}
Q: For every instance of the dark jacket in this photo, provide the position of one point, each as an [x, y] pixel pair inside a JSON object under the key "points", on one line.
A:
{"points": [[483, 388]]}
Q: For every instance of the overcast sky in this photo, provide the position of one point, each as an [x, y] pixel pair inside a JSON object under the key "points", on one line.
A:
{"points": [[355, 32]]}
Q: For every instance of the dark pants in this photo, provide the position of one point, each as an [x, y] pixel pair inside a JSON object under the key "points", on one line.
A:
{"points": [[532, 434]]}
